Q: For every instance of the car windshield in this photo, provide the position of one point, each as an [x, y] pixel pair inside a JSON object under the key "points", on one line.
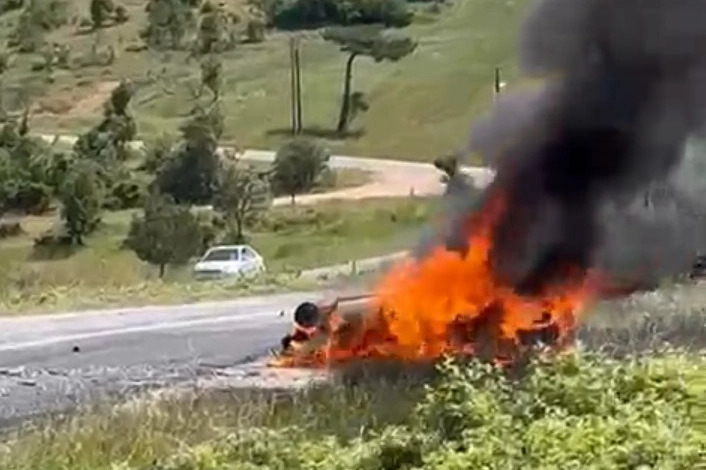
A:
{"points": [[222, 254]]}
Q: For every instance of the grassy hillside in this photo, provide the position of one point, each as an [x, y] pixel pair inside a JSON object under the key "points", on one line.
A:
{"points": [[421, 106]]}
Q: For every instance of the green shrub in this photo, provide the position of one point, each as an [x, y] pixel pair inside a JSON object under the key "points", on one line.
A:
{"points": [[571, 412], [126, 194], [10, 5], [255, 30], [575, 411], [29, 196], [121, 15], [294, 14], [296, 219], [10, 229]]}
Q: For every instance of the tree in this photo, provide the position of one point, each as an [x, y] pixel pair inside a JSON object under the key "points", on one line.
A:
{"points": [[371, 41], [165, 234], [298, 164], [82, 197], [242, 195], [5, 63], [169, 22], [37, 18], [28, 169], [216, 29], [117, 120], [158, 152], [298, 14], [212, 75], [255, 30], [101, 11], [190, 175], [10, 5], [120, 15], [106, 142]]}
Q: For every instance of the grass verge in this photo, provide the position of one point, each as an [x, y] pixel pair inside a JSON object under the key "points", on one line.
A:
{"points": [[289, 238], [578, 410]]}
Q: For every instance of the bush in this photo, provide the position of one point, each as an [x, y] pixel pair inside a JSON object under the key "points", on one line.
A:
{"points": [[52, 237], [569, 413], [10, 229], [211, 226], [53, 244], [295, 220], [9, 5], [165, 233], [126, 194], [121, 14], [30, 197], [294, 14], [298, 165], [82, 196], [37, 18], [85, 24], [255, 31]]}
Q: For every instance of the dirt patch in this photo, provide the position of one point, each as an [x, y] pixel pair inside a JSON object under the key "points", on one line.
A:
{"points": [[76, 102]]}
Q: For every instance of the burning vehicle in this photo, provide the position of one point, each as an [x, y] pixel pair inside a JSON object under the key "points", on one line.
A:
{"points": [[620, 96]]}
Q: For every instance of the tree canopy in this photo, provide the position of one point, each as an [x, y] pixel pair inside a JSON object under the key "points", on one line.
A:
{"points": [[241, 196], [298, 164], [366, 40], [165, 234]]}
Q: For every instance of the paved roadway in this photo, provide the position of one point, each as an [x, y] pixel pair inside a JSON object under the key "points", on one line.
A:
{"points": [[49, 363]]}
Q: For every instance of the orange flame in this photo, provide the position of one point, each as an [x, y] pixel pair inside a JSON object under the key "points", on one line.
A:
{"points": [[452, 303]]}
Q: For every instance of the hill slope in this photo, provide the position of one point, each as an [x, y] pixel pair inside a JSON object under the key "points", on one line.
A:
{"points": [[421, 106]]}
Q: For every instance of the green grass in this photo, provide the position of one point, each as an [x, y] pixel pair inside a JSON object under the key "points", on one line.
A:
{"points": [[421, 107], [574, 411], [289, 238]]}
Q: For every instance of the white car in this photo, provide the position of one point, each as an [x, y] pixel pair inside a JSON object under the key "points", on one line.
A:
{"points": [[229, 260]]}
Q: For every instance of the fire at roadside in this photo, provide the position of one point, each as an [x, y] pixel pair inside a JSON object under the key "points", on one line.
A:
{"points": [[521, 265]]}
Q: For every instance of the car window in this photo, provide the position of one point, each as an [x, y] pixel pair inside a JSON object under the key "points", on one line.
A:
{"points": [[247, 253], [222, 254]]}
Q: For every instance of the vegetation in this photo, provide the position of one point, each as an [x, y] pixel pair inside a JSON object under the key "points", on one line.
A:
{"points": [[578, 410], [96, 184], [298, 165], [296, 14], [169, 22], [83, 226], [417, 107], [164, 234], [243, 196], [101, 11], [369, 41], [81, 199], [107, 272]]}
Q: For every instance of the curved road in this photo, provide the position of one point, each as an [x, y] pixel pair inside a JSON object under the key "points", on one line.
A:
{"points": [[50, 363]]}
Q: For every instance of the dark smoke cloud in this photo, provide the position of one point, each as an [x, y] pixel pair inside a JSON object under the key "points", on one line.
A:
{"points": [[624, 90]]}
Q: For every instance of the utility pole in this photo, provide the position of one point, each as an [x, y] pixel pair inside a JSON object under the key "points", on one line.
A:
{"points": [[298, 69], [295, 83], [293, 86], [498, 84]]}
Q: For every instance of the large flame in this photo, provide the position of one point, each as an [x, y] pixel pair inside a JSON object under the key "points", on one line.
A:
{"points": [[452, 303]]}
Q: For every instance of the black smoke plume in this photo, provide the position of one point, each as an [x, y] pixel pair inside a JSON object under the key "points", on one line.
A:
{"points": [[623, 90]]}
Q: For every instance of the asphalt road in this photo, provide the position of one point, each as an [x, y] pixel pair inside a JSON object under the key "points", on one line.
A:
{"points": [[51, 363]]}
